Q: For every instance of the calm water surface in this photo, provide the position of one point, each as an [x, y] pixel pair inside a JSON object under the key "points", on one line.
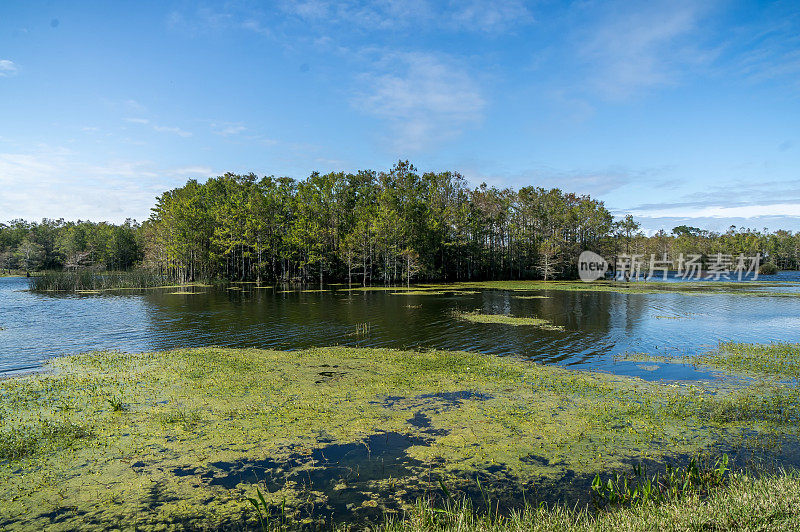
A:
{"points": [[598, 326]]}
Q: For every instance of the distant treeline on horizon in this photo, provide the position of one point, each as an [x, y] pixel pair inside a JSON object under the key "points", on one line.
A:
{"points": [[366, 227]]}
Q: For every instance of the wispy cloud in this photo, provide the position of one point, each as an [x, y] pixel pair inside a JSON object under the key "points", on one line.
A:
{"points": [[159, 128], [424, 98], [634, 46], [170, 129], [228, 129], [489, 17], [8, 68], [594, 182], [58, 182], [768, 49], [423, 15]]}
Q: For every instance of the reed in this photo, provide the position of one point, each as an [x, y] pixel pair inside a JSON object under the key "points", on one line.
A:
{"points": [[89, 280]]}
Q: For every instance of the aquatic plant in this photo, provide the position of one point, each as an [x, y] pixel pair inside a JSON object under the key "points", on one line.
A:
{"points": [[235, 416], [86, 280], [767, 268], [777, 359], [502, 319], [264, 511], [117, 405], [700, 476], [745, 502], [362, 329], [22, 442]]}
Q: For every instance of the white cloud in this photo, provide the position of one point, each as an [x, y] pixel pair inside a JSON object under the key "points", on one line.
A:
{"points": [[641, 45], [56, 182], [161, 129], [495, 16], [176, 130], [228, 129], [422, 15], [424, 99], [718, 211], [8, 68]]}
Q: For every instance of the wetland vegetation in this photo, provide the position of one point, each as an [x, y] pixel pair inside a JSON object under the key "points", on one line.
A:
{"points": [[184, 437]]}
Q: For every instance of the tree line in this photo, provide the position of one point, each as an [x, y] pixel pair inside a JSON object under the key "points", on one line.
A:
{"points": [[58, 244], [367, 227], [370, 227]]}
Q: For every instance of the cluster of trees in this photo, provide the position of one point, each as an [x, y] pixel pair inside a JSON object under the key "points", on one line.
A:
{"points": [[366, 227], [371, 227], [57, 244], [781, 248]]}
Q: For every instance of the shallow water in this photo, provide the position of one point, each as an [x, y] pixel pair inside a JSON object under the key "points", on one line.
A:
{"points": [[598, 327]]}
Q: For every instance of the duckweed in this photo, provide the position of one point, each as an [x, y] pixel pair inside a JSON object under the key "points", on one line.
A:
{"points": [[334, 429], [502, 319]]}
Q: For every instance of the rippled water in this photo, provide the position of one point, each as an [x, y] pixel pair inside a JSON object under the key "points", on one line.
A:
{"points": [[598, 326]]}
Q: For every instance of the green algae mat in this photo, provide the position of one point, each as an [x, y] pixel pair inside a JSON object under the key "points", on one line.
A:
{"points": [[181, 438]]}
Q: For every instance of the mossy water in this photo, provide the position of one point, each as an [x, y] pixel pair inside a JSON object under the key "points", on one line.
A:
{"points": [[181, 438]]}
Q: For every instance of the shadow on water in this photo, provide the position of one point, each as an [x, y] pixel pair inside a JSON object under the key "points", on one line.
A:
{"points": [[360, 482]]}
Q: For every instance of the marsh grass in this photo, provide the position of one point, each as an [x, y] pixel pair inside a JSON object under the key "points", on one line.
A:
{"points": [[181, 416], [700, 476], [22, 442], [88, 280], [419, 293], [502, 319], [745, 502], [116, 403], [362, 329], [777, 359]]}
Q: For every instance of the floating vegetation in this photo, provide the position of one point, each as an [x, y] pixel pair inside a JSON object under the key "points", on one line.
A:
{"points": [[42, 436], [530, 297], [699, 288], [333, 432], [419, 293], [502, 319], [184, 293], [776, 359], [647, 357]]}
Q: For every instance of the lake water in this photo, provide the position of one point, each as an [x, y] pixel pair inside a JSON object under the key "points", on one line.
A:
{"points": [[599, 327]]}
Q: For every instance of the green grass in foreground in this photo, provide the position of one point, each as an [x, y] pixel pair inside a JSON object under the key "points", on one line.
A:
{"points": [[746, 503], [143, 439]]}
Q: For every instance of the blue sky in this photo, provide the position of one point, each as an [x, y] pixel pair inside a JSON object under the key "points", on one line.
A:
{"points": [[676, 112]]}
